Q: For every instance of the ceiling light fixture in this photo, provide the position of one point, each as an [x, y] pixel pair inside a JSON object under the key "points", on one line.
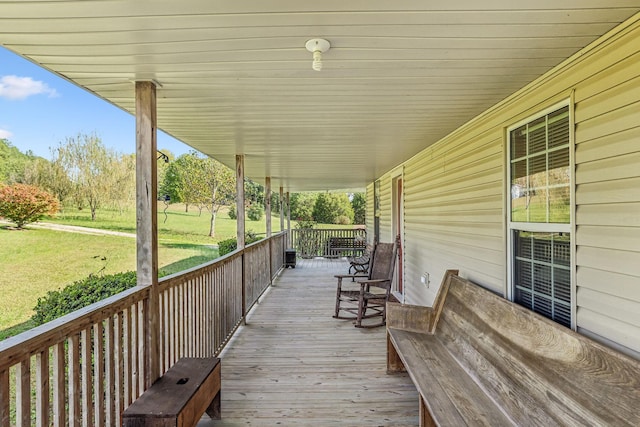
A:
{"points": [[317, 47]]}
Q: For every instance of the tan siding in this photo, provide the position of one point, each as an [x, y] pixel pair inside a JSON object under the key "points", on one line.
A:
{"points": [[453, 215], [386, 232], [621, 333], [620, 238], [624, 142], [455, 191], [609, 214], [618, 261], [620, 191], [625, 166], [369, 218], [606, 282], [608, 200], [609, 305]]}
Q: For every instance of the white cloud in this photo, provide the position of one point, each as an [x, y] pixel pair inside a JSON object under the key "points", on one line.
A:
{"points": [[14, 87], [5, 134]]}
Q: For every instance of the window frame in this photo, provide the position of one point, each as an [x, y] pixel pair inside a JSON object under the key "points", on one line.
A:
{"points": [[570, 227]]}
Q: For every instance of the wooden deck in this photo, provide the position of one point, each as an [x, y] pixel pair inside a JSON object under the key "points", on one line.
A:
{"points": [[294, 365]]}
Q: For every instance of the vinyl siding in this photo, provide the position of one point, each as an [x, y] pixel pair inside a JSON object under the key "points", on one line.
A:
{"points": [[456, 191], [369, 218]]}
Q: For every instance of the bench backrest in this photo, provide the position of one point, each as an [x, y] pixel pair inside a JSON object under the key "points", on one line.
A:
{"points": [[539, 371]]}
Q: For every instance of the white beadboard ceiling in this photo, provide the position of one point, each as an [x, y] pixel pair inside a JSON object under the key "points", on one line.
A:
{"points": [[236, 77]]}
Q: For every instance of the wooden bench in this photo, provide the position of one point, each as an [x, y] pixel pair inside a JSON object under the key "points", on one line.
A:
{"points": [[187, 390], [341, 246], [478, 359]]}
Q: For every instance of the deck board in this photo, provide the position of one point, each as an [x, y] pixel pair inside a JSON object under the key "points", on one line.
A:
{"points": [[294, 365]]}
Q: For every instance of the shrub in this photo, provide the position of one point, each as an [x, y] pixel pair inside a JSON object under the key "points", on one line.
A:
{"points": [[232, 212], [255, 212], [342, 220], [81, 294], [23, 204], [230, 245]]}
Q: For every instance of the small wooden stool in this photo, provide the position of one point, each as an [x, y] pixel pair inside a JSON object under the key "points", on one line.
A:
{"points": [[179, 397]]}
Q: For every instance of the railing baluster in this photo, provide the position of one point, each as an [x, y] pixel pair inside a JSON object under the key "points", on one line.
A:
{"points": [[98, 373], [119, 355], [74, 380], [42, 389], [5, 397], [23, 393], [87, 376], [59, 386], [127, 358], [109, 349]]}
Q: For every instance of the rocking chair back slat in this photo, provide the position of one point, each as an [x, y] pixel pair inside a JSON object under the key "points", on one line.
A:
{"points": [[382, 265]]}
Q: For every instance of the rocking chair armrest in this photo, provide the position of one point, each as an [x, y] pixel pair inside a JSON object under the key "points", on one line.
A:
{"points": [[372, 281], [350, 276]]}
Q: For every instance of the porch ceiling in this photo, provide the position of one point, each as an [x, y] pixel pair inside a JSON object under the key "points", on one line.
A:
{"points": [[237, 79]]}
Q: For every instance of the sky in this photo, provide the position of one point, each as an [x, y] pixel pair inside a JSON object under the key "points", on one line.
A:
{"points": [[38, 110]]}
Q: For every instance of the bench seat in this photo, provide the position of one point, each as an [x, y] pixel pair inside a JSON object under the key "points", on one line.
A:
{"points": [[180, 397], [478, 359], [437, 374]]}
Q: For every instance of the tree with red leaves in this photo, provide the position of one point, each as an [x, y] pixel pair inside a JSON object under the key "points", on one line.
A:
{"points": [[23, 204]]}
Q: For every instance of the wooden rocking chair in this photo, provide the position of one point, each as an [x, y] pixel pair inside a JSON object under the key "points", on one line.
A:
{"points": [[369, 293]]}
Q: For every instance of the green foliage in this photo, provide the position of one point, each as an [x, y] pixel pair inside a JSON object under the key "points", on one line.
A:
{"points": [[330, 206], [81, 294], [342, 220], [232, 212], [359, 205], [255, 212], [253, 192], [98, 173], [23, 204], [12, 162], [230, 245], [302, 205]]}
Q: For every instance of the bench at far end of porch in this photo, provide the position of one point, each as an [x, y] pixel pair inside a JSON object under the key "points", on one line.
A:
{"points": [[478, 359], [180, 397], [342, 246]]}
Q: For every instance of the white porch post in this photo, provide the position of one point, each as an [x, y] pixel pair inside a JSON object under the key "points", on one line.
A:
{"points": [[240, 199], [267, 203], [147, 220]]}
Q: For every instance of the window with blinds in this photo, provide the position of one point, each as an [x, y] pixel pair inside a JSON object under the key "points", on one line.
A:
{"points": [[540, 215]]}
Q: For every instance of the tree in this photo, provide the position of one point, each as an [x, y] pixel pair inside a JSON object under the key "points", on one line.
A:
{"points": [[302, 205], [333, 208], [23, 204], [92, 168], [359, 205], [12, 162], [49, 176], [181, 178], [219, 188]]}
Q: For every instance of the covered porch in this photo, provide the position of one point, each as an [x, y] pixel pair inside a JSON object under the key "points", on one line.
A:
{"points": [[293, 364]]}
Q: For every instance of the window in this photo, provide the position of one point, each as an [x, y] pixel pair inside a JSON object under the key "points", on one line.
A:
{"points": [[540, 215]]}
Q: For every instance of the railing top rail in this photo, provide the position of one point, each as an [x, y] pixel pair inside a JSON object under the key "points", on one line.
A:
{"points": [[44, 336]]}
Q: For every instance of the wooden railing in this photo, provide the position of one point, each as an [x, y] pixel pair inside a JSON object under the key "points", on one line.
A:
{"points": [[85, 368], [311, 242]]}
